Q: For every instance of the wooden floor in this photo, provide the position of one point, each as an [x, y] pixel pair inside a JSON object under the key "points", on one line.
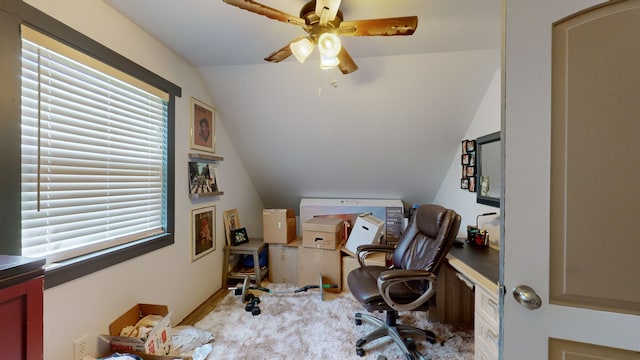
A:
{"points": [[205, 308]]}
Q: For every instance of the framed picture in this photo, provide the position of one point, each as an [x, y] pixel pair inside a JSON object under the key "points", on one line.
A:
{"points": [[464, 183], [203, 231], [472, 184], [465, 159], [239, 236], [471, 171], [464, 146], [202, 178], [470, 145], [231, 222], [202, 126]]}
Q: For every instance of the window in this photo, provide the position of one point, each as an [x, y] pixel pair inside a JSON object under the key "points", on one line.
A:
{"points": [[94, 153]]}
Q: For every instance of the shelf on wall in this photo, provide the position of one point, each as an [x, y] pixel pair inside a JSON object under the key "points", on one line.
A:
{"points": [[205, 157], [197, 196]]}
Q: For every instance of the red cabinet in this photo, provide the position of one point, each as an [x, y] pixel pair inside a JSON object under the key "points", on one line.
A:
{"points": [[21, 308]]}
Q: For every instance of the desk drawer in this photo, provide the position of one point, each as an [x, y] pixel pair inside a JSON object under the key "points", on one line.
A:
{"points": [[487, 305], [486, 333], [482, 351]]}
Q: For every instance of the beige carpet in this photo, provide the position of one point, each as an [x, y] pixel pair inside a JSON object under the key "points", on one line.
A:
{"points": [[301, 326]]}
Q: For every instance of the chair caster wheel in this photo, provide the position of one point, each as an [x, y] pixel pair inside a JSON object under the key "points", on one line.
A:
{"points": [[358, 322], [411, 344], [360, 352], [430, 336]]}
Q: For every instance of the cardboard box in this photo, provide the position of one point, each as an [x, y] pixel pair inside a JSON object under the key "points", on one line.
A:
{"points": [[366, 230], [283, 262], [349, 263], [315, 262], [322, 233], [391, 211], [278, 226], [159, 340]]}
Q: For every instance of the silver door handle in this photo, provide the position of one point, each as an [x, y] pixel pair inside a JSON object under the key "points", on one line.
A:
{"points": [[527, 297]]}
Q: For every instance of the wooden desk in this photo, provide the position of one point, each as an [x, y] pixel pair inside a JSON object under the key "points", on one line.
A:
{"points": [[21, 307], [477, 301], [254, 247]]}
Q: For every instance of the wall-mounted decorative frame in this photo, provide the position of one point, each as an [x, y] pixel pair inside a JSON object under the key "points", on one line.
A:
{"points": [[231, 222], [202, 178], [489, 170], [202, 126], [239, 236], [203, 231], [468, 161]]}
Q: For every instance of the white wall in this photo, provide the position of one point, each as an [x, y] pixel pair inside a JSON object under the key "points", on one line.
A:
{"points": [[166, 276], [486, 121]]}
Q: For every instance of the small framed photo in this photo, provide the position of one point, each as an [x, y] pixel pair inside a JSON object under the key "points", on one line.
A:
{"points": [[239, 236], [464, 146], [203, 231], [231, 222], [464, 183], [202, 178], [202, 126], [472, 159], [471, 171], [470, 145], [472, 184], [465, 159]]}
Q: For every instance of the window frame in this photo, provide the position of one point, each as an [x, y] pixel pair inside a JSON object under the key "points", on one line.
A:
{"points": [[13, 13]]}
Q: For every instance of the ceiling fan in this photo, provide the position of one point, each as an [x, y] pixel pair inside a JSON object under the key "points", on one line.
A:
{"points": [[323, 22]]}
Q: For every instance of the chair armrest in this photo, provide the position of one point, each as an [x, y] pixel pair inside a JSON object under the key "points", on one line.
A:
{"points": [[389, 278], [368, 249]]}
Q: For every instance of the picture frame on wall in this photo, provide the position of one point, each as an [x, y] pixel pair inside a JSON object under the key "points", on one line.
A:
{"points": [[202, 178], [470, 146], [239, 236], [231, 220], [464, 183], [202, 126], [203, 231]]}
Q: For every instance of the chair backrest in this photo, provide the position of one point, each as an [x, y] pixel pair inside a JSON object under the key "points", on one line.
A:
{"points": [[427, 239]]}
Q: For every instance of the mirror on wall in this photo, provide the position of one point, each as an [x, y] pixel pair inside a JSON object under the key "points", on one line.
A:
{"points": [[489, 169]]}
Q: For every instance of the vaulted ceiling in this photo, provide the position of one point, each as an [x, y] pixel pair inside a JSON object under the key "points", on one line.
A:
{"points": [[389, 130]]}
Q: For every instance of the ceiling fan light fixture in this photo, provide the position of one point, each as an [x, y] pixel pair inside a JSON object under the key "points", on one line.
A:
{"points": [[328, 62], [329, 45], [301, 49]]}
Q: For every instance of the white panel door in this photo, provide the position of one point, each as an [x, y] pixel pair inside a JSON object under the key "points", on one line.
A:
{"points": [[526, 248]]}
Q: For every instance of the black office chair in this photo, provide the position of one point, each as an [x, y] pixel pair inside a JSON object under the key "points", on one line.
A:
{"points": [[410, 283]]}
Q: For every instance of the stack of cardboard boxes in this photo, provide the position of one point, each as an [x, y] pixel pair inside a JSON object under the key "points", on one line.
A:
{"points": [[323, 248], [279, 231], [322, 238]]}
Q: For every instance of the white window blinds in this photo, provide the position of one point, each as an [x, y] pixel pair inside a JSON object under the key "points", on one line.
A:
{"points": [[93, 153]]}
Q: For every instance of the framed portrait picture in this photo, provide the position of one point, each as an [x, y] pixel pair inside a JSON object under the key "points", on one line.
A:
{"points": [[202, 126], [470, 145], [239, 236], [231, 222], [464, 183], [202, 178], [203, 231]]}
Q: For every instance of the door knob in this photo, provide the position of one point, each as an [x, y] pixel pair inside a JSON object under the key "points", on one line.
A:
{"points": [[527, 297]]}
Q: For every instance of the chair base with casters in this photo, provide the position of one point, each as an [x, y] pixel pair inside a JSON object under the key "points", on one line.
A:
{"points": [[403, 336]]}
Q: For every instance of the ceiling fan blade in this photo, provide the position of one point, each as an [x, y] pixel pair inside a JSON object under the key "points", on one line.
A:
{"points": [[327, 10], [347, 65], [280, 55], [267, 11], [405, 25]]}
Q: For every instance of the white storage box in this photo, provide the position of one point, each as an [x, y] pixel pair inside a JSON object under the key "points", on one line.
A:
{"points": [[366, 230]]}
